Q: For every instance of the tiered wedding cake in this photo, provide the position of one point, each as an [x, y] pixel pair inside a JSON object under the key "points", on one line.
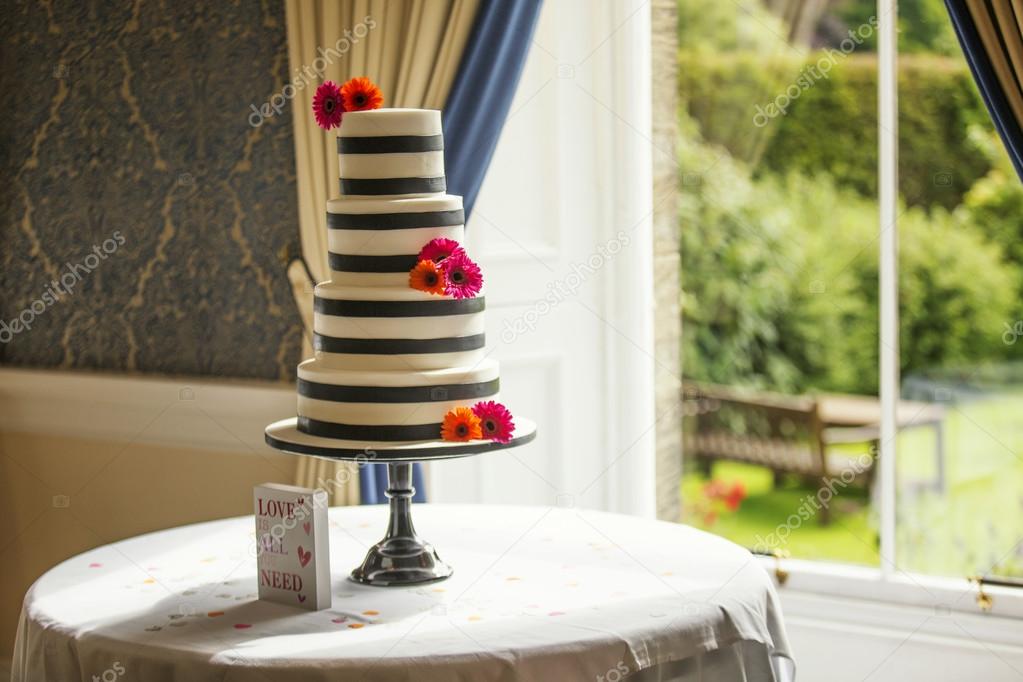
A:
{"points": [[391, 360]]}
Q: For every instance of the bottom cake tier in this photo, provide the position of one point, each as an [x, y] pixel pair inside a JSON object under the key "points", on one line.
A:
{"points": [[395, 405]]}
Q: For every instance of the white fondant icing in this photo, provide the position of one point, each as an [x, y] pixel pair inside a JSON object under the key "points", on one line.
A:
{"points": [[401, 363], [344, 292], [403, 204], [314, 370], [440, 327], [370, 279], [380, 122], [399, 414], [416, 165], [389, 242]]}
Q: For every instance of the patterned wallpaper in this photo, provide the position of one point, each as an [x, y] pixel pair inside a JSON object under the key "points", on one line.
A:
{"points": [[145, 221]]}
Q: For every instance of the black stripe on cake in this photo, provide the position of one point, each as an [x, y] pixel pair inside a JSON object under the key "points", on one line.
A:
{"points": [[348, 308], [385, 432], [368, 186], [395, 221], [344, 262], [397, 394], [390, 144], [454, 344]]}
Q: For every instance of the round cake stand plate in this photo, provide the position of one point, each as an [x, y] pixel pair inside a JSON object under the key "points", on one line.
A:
{"points": [[402, 558]]}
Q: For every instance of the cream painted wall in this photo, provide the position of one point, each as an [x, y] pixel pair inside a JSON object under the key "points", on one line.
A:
{"points": [[160, 453]]}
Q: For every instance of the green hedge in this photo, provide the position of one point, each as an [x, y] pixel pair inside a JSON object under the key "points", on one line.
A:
{"points": [[779, 281], [831, 126]]}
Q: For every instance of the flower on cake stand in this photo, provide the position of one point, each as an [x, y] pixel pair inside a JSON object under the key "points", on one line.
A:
{"points": [[428, 277], [361, 94], [495, 420], [464, 279], [328, 106], [460, 424], [439, 249]]}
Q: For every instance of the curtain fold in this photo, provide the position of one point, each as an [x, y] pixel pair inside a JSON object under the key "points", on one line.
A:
{"points": [[412, 49], [483, 90], [991, 35]]}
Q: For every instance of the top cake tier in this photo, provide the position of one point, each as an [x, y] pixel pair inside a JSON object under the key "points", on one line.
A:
{"points": [[391, 153]]}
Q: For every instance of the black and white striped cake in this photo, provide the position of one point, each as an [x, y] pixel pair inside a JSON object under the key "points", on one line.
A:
{"points": [[390, 360]]}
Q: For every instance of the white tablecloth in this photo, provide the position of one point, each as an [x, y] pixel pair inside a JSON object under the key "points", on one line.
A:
{"points": [[537, 594]]}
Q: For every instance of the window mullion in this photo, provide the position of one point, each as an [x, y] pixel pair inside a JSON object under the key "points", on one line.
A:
{"points": [[888, 192]]}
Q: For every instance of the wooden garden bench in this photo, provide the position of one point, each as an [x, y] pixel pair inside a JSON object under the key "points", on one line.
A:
{"points": [[792, 434]]}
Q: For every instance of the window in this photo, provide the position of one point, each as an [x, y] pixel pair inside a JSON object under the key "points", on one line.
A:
{"points": [[849, 334]]}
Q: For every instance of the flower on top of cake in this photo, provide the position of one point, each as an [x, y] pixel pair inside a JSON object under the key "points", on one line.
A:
{"points": [[486, 420], [330, 102], [361, 94], [462, 277]]}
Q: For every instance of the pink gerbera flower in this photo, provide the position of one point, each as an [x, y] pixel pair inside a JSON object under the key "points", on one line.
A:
{"points": [[328, 106], [495, 420], [463, 275], [439, 249]]}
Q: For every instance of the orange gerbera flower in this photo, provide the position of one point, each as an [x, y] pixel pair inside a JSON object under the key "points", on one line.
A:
{"points": [[427, 276], [460, 424], [361, 94]]}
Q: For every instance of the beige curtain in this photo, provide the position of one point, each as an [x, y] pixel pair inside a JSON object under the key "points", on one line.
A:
{"points": [[411, 49], [1000, 25]]}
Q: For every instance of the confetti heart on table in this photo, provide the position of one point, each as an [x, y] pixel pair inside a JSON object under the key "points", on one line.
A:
{"points": [[355, 626], [242, 626], [303, 556], [306, 527], [338, 620], [94, 565], [214, 614], [371, 613]]}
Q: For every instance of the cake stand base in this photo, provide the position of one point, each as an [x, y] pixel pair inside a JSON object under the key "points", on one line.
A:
{"points": [[401, 558]]}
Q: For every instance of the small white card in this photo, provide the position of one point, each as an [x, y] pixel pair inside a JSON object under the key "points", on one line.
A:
{"points": [[292, 557]]}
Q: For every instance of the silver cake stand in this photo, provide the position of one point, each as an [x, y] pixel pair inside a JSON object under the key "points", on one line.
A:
{"points": [[402, 558]]}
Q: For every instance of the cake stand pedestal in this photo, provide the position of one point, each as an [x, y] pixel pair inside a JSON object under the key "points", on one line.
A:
{"points": [[402, 558]]}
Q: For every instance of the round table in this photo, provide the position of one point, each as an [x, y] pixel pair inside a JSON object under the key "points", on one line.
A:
{"points": [[537, 594]]}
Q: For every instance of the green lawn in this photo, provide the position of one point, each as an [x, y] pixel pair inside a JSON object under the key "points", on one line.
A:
{"points": [[976, 524]]}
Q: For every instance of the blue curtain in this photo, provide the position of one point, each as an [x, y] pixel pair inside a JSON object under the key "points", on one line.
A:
{"points": [[483, 90], [473, 117], [987, 81]]}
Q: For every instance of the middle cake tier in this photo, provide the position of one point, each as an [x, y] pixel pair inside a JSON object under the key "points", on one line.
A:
{"points": [[374, 242], [395, 328], [387, 405]]}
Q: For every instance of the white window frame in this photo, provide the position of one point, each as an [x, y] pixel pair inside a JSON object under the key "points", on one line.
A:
{"points": [[889, 583]]}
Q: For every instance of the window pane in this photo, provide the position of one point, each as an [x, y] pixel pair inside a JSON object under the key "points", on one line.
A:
{"points": [[778, 157], [960, 466]]}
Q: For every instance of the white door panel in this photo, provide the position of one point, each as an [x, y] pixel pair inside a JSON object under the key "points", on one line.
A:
{"points": [[568, 296]]}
